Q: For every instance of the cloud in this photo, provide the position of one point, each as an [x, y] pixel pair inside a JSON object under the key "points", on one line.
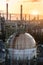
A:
{"points": [[32, 0], [35, 0]]}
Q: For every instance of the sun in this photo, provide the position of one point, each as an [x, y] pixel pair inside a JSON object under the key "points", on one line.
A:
{"points": [[34, 12]]}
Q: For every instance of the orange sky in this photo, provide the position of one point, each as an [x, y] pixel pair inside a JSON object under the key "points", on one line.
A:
{"points": [[29, 6]]}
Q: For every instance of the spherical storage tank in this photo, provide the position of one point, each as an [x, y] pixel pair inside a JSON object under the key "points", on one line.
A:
{"points": [[24, 46]]}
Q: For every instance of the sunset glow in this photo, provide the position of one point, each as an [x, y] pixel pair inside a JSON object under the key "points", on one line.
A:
{"points": [[29, 6], [35, 12]]}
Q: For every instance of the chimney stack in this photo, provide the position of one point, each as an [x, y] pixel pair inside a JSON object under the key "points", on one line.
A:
{"points": [[25, 17], [10, 17], [29, 17], [6, 11], [37, 17], [21, 13]]}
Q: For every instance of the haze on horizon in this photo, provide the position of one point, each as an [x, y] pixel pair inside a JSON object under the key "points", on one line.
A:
{"points": [[29, 6]]}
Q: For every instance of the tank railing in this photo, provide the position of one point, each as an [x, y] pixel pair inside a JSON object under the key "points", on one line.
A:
{"points": [[21, 61]]}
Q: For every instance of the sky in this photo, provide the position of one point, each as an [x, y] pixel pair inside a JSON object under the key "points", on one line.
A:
{"points": [[29, 6]]}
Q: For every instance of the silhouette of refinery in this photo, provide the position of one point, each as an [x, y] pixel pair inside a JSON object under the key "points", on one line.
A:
{"points": [[21, 16]]}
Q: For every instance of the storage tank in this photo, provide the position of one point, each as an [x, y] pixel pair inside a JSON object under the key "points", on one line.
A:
{"points": [[23, 47]]}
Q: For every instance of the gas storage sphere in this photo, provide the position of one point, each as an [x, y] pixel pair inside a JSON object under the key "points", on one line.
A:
{"points": [[23, 47]]}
